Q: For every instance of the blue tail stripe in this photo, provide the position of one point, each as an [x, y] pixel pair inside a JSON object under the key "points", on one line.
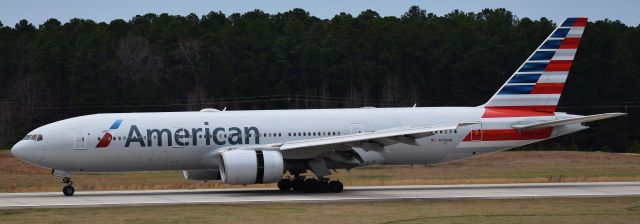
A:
{"points": [[533, 67], [542, 55], [551, 44], [561, 32], [569, 22], [515, 89], [525, 78]]}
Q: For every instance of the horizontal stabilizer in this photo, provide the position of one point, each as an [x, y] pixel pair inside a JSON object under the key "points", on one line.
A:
{"points": [[554, 123]]}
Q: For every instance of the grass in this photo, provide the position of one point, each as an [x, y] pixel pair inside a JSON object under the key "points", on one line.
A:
{"points": [[501, 167], [549, 210]]}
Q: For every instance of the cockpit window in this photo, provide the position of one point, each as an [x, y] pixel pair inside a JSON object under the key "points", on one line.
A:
{"points": [[36, 137]]}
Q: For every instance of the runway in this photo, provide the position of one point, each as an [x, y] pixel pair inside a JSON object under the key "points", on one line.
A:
{"points": [[262, 195]]}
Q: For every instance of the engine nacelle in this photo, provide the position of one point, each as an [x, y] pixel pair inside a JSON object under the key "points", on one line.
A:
{"points": [[201, 174], [251, 166]]}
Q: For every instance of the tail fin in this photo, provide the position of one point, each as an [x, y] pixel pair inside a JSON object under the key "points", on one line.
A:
{"points": [[535, 88]]}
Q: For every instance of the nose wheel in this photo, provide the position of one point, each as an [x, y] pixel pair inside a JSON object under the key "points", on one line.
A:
{"points": [[68, 190]]}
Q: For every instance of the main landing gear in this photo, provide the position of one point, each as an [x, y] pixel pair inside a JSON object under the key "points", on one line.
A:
{"points": [[310, 185], [68, 189]]}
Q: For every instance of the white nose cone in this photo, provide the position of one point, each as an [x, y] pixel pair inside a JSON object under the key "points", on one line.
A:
{"points": [[24, 151], [16, 151]]}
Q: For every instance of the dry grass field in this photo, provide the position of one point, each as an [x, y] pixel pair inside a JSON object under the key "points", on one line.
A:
{"points": [[501, 167], [550, 210]]}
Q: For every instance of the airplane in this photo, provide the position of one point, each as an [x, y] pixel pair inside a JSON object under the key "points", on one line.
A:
{"points": [[269, 146]]}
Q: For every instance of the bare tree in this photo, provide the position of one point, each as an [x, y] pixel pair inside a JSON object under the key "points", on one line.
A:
{"points": [[138, 59]]}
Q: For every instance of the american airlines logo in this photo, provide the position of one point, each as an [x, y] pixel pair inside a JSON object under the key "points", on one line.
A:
{"points": [[106, 139], [192, 136]]}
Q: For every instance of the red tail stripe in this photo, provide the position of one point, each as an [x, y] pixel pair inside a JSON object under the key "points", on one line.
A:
{"points": [[559, 66], [518, 111], [580, 22], [570, 43], [513, 134], [547, 88]]}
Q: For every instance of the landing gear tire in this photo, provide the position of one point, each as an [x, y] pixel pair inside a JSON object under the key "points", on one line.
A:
{"points": [[322, 186], [336, 186], [284, 185], [297, 184], [68, 190], [310, 185]]}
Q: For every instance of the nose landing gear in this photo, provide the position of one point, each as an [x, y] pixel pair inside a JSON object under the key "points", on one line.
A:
{"points": [[68, 190]]}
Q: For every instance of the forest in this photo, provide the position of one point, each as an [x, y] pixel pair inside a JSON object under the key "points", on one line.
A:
{"points": [[255, 60]]}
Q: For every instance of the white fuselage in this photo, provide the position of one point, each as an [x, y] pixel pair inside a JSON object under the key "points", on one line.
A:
{"points": [[185, 140]]}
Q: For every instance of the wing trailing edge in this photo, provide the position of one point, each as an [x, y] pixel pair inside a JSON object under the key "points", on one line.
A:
{"points": [[581, 119]]}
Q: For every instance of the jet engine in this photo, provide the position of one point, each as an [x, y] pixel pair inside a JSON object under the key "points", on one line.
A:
{"points": [[251, 166]]}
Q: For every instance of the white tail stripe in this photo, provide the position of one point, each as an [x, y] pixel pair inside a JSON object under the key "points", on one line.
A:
{"points": [[575, 32], [552, 78], [564, 54]]}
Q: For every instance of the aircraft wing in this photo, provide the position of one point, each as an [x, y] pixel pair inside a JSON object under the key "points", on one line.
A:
{"points": [[581, 119], [374, 140]]}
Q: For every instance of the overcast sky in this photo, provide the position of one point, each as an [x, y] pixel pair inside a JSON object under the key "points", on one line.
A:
{"points": [[38, 11]]}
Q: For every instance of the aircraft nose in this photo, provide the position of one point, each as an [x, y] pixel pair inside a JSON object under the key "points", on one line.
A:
{"points": [[22, 152], [17, 150]]}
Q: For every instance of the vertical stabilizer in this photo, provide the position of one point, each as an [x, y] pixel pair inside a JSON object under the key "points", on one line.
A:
{"points": [[535, 88]]}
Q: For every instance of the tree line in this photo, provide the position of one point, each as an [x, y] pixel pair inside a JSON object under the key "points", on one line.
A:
{"points": [[257, 60]]}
